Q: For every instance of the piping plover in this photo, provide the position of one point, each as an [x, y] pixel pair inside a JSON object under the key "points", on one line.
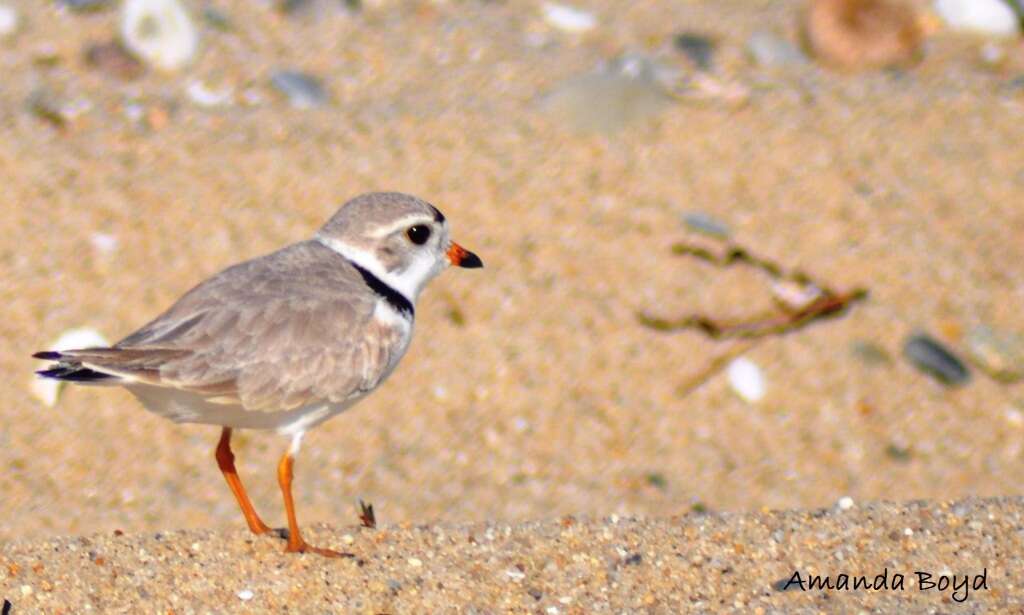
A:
{"points": [[287, 340]]}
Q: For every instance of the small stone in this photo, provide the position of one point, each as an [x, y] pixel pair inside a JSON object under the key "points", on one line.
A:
{"points": [[206, 96], [770, 50], [303, 91], [9, 21], [700, 49], [245, 595], [845, 503], [795, 296], [159, 32], [216, 19], [515, 575], [290, 7], [992, 53], [933, 358], [415, 562], [85, 6], [56, 110], [657, 480], [746, 380], [620, 92], [986, 17], [47, 390], [706, 224], [898, 452], [870, 353], [567, 18], [1015, 85], [157, 117], [113, 59], [1015, 416], [998, 354], [103, 243]]}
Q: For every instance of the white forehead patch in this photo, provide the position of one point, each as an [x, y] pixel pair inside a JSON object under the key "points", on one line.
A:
{"points": [[379, 232]]}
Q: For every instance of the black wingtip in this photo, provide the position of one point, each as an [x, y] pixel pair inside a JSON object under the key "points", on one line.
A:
{"points": [[47, 355], [71, 373]]}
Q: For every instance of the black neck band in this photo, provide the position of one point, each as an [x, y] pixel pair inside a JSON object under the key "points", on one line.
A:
{"points": [[394, 298]]}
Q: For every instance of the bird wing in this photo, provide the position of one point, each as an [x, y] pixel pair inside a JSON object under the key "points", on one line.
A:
{"points": [[294, 329]]}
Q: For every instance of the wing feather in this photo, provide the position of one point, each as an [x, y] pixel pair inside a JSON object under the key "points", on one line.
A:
{"points": [[290, 329]]}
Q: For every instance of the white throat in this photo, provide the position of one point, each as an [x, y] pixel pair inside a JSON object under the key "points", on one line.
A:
{"points": [[409, 282]]}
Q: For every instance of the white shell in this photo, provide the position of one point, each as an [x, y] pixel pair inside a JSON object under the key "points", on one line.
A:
{"points": [[993, 17], [206, 96], [793, 295], [568, 18], [159, 32], [104, 243], [48, 391], [9, 20], [746, 380]]}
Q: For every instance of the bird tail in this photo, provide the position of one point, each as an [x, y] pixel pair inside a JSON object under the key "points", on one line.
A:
{"points": [[68, 369]]}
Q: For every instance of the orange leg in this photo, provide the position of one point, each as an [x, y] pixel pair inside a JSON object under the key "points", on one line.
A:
{"points": [[295, 542], [226, 461]]}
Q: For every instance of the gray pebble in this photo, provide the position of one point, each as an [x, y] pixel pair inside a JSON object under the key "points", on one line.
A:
{"points": [[317, 8], [85, 5], [216, 19], [699, 48], [55, 109], [293, 6], [770, 50], [870, 353], [619, 93], [303, 91], [931, 357], [998, 354], [704, 223]]}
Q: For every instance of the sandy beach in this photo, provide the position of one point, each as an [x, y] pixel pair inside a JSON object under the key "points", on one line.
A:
{"points": [[771, 562]]}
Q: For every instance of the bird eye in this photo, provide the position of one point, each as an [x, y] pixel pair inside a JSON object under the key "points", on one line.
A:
{"points": [[418, 234]]}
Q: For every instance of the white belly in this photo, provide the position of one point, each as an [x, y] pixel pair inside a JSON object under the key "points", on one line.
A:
{"points": [[184, 407]]}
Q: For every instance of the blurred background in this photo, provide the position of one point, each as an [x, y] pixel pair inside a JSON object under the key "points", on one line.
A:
{"points": [[147, 145]]}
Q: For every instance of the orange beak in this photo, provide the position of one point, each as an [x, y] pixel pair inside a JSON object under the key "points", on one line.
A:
{"points": [[461, 257]]}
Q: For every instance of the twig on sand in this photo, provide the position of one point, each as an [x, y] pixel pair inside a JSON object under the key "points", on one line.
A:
{"points": [[801, 300]]}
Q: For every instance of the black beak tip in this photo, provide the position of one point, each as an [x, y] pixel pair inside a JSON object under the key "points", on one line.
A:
{"points": [[471, 261]]}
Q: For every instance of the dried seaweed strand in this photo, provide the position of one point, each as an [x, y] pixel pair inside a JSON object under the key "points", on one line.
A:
{"points": [[829, 303]]}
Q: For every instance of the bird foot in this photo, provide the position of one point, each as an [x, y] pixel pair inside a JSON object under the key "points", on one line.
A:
{"points": [[305, 547]]}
